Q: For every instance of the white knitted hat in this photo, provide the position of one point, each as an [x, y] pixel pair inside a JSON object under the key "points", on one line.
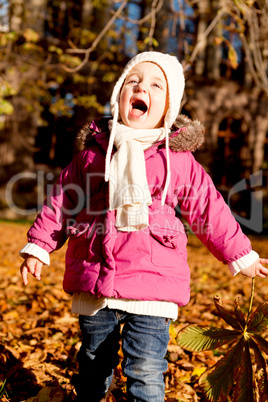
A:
{"points": [[174, 75], [175, 80]]}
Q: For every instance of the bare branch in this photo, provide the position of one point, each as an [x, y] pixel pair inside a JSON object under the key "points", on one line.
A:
{"points": [[251, 66], [174, 18], [81, 65], [254, 33], [251, 45], [182, 24], [95, 43], [199, 44], [146, 17], [152, 27]]}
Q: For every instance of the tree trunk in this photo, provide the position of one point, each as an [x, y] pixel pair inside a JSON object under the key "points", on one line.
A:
{"points": [[162, 28], [16, 15], [87, 9], [35, 15], [203, 10]]}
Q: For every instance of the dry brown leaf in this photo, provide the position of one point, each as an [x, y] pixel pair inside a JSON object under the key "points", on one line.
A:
{"points": [[55, 394], [40, 337]]}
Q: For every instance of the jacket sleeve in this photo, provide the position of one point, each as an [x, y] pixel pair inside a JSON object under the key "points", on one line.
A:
{"points": [[65, 201], [33, 250], [208, 215]]}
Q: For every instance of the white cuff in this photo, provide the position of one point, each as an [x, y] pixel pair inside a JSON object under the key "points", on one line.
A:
{"points": [[243, 262], [35, 251]]}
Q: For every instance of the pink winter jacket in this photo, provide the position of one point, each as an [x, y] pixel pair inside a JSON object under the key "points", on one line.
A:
{"points": [[150, 264]]}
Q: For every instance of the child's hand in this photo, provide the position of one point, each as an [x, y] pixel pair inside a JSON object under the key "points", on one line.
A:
{"points": [[32, 265], [256, 269]]}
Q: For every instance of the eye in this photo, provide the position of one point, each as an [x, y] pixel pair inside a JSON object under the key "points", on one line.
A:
{"points": [[132, 80], [157, 85]]}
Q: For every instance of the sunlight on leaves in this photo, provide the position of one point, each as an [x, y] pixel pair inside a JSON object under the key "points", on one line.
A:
{"points": [[217, 381], [235, 369], [196, 338]]}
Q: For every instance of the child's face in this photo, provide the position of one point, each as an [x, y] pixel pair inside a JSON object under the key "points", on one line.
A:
{"points": [[143, 97]]}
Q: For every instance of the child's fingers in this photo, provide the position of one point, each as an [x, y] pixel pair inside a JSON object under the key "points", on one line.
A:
{"points": [[38, 269], [24, 273], [32, 265], [262, 272]]}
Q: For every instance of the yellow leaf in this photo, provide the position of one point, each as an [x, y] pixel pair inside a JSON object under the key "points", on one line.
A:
{"points": [[186, 377], [204, 278], [198, 371], [30, 35], [172, 334], [232, 56], [11, 315], [218, 40]]}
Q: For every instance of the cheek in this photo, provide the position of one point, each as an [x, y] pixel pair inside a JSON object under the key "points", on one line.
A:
{"points": [[123, 102], [161, 105]]}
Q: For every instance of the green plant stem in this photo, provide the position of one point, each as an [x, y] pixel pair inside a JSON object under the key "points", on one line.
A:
{"points": [[2, 389], [251, 301]]}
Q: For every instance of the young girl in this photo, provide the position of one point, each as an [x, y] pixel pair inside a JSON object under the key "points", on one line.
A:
{"points": [[126, 260]]}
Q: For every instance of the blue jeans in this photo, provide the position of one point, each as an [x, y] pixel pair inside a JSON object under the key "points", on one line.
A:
{"points": [[144, 345]]}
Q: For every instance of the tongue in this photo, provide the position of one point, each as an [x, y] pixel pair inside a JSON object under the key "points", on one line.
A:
{"points": [[137, 112]]}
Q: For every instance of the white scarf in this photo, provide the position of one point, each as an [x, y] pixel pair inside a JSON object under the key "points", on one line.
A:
{"points": [[129, 193]]}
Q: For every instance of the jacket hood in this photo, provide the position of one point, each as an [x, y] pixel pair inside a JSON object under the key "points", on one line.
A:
{"points": [[185, 134]]}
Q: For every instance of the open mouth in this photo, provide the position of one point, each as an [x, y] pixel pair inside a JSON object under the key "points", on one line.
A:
{"points": [[138, 107]]}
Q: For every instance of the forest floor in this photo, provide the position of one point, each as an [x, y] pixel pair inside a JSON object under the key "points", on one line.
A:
{"points": [[40, 338]]}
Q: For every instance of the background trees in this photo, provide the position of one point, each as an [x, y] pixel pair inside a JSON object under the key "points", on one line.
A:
{"points": [[59, 60]]}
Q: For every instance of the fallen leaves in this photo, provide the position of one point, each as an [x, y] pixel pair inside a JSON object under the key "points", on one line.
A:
{"points": [[39, 337], [55, 394]]}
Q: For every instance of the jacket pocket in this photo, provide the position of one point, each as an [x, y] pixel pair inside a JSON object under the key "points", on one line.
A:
{"points": [[79, 237], [168, 247]]}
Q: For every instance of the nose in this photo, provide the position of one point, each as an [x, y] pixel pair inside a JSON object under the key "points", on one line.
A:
{"points": [[140, 87]]}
